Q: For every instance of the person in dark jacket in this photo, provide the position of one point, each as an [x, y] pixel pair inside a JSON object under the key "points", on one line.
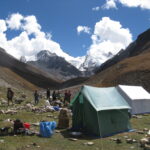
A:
{"points": [[18, 127], [10, 95], [69, 96], [48, 94], [54, 95], [65, 96], [36, 97]]}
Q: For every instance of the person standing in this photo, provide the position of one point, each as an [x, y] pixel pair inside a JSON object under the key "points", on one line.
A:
{"points": [[69, 96], [65, 96], [54, 95], [48, 94], [10, 95], [36, 97]]}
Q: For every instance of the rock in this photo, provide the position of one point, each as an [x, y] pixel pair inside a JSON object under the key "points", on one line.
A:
{"points": [[139, 117], [34, 144], [134, 116], [18, 101], [125, 137], [90, 143], [28, 146], [118, 141], [145, 129], [73, 139], [38, 146], [3, 101], [57, 131], [2, 111], [49, 109], [36, 124], [23, 96], [134, 140], [130, 141], [144, 141], [50, 116], [1, 141], [132, 147], [147, 147], [140, 132], [114, 139], [148, 133], [12, 112]]}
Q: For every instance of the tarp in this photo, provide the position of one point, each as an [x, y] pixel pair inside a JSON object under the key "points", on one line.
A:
{"points": [[47, 128]]}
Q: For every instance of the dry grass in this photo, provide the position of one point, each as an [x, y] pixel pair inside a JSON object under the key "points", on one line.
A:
{"points": [[132, 71]]}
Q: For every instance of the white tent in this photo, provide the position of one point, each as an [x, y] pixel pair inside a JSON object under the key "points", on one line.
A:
{"points": [[137, 97]]}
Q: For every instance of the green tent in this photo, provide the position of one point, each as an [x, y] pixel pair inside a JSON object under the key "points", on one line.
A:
{"points": [[100, 111]]}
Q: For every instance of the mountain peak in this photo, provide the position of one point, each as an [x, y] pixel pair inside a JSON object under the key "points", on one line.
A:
{"points": [[45, 55]]}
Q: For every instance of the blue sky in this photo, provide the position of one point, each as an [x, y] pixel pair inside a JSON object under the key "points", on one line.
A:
{"points": [[62, 17]]}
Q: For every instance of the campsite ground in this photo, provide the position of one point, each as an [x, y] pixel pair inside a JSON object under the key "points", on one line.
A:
{"points": [[61, 140]]}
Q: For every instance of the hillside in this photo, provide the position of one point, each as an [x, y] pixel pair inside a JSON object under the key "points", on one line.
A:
{"points": [[16, 73], [131, 71]]}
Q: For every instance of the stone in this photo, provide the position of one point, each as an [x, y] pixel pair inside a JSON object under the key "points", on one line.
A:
{"points": [[38, 146], [90, 143], [36, 124], [144, 141], [146, 147], [145, 129], [118, 141], [2, 111], [1, 141], [125, 136], [73, 139], [130, 141], [57, 131], [140, 132], [50, 116]]}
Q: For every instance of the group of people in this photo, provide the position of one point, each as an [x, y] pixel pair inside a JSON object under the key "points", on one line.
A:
{"points": [[55, 95], [50, 96]]}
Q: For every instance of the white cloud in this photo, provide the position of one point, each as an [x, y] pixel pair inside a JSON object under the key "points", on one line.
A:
{"points": [[84, 29], [31, 26], [14, 21], [97, 8], [109, 38], [23, 44], [109, 4], [143, 4], [3, 26]]}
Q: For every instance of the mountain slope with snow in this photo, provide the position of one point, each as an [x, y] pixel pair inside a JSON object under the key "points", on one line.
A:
{"points": [[57, 67]]}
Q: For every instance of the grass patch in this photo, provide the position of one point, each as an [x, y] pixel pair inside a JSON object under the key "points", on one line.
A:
{"points": [[60, 141]]}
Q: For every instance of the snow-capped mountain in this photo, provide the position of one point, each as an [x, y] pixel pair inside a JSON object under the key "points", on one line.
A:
{"points": [[84, 63], [94, 60], [57, 67]]}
